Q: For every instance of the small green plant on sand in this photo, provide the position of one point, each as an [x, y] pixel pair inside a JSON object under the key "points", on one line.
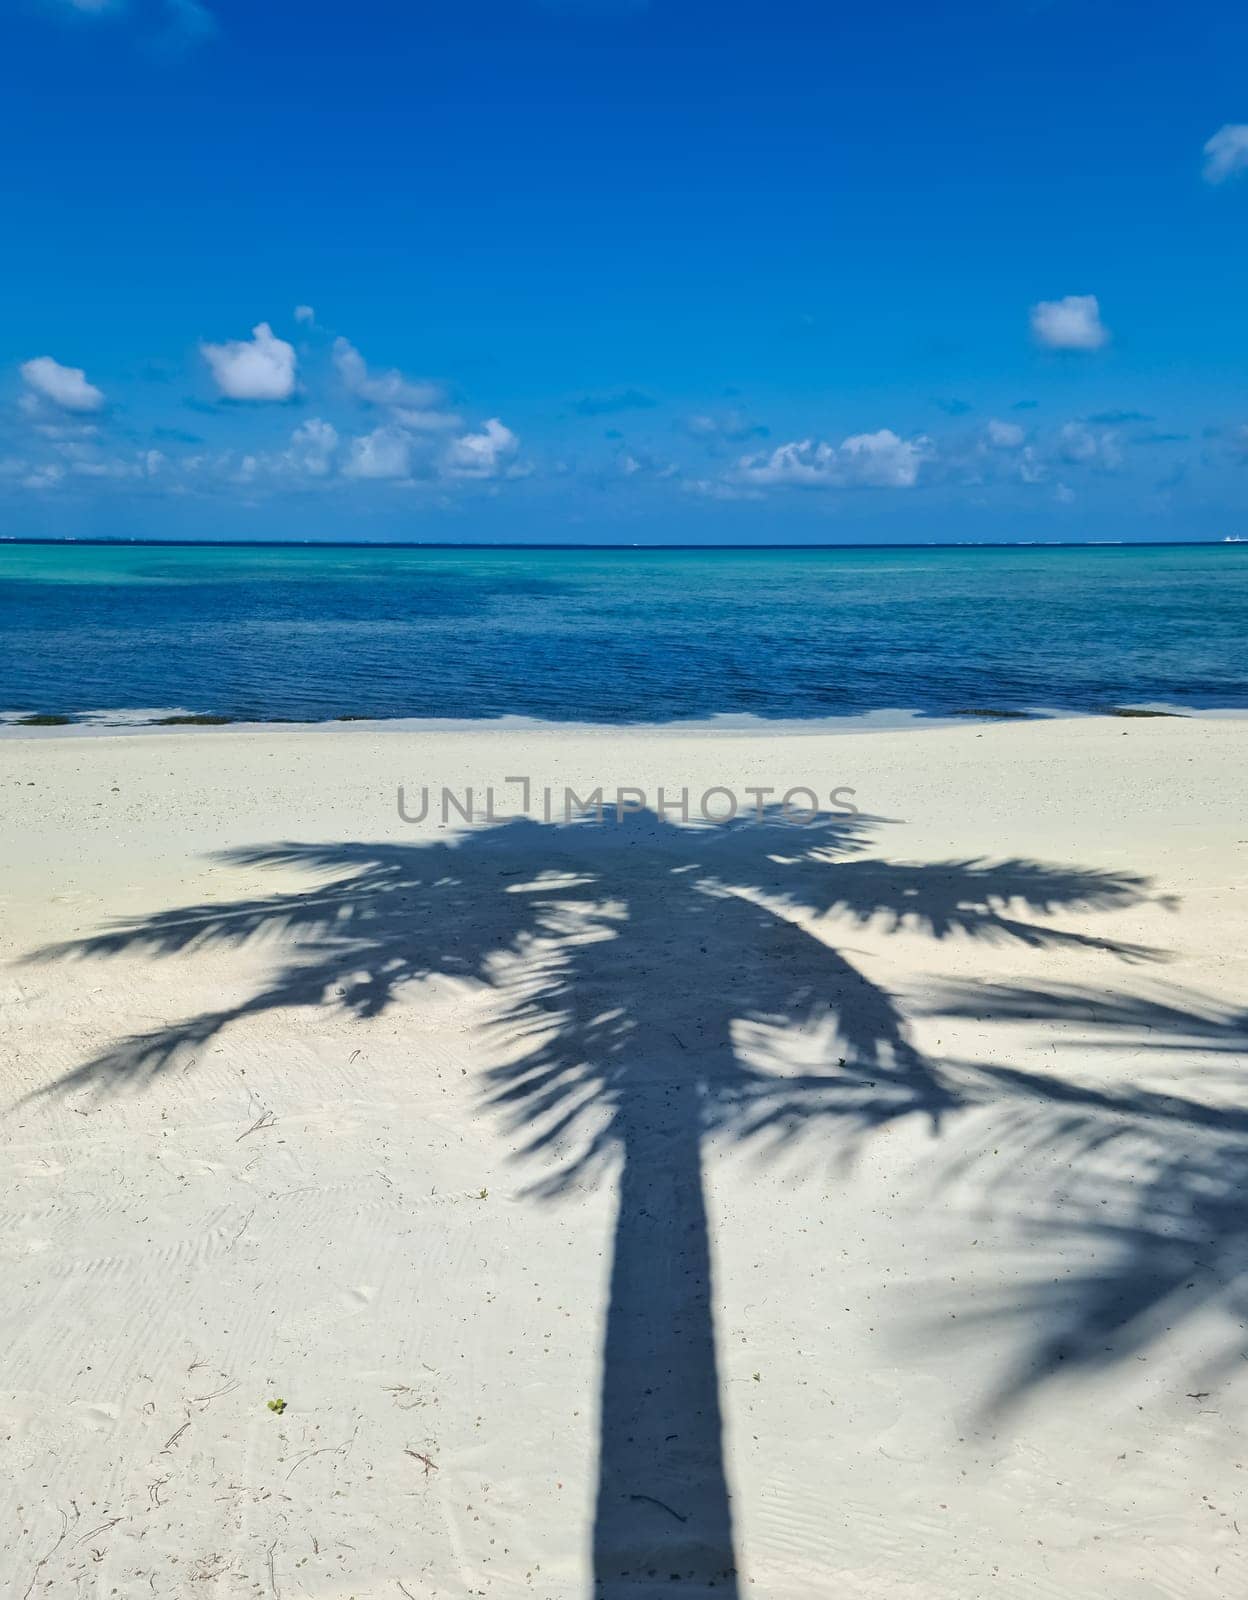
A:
{"points": [[277, 1405]]}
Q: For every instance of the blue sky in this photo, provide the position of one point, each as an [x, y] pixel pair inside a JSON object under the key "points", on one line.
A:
{"points": [[624, 271]]}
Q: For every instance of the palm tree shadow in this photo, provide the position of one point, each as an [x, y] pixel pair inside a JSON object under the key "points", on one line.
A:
{"points": [[652, 986]]}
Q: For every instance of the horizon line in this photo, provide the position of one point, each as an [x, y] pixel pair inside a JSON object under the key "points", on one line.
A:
{"points": [[447, 544]]}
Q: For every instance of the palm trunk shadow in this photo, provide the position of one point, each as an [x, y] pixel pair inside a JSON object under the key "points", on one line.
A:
{"points": [[663, 1512]]}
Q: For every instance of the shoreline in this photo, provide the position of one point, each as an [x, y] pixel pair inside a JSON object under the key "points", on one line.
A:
{"points": [[94, 725]]}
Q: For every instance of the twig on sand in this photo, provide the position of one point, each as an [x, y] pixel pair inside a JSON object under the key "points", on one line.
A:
{"points": [[246, 1221], [203, 1399], [662, 1505], [405, 1589], [266, 1119], [307, 1456], [43, 1561], [103, 1527], [425, 1459], [326, 1449], [175, 1436]]}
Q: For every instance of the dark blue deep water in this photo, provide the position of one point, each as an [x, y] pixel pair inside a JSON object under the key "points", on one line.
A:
{"points": [[618, 635]]}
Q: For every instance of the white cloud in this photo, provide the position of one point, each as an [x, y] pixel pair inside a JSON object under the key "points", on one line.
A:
{"points": [[259, 368], [304, 314], [880, 460], [1227, 152], [1004, 435], [1082, 446], [481, 455], [87, 462], [93, 468], [425, 421], [734, 426], [382, 388], [384, 453], [59, 431], [1072, 323], [717, 489], [312, 447], [1031, 469], [44, 478], [66, 387]]}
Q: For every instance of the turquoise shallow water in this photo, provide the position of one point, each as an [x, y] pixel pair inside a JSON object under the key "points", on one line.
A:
{"points": [[618, 635]]}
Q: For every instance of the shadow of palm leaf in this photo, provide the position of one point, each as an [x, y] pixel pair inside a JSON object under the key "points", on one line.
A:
{"points": [[1153, 1186], [651, 986]]}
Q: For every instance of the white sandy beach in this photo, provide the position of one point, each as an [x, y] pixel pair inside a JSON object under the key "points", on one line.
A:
{"points": [[954, 1089]]}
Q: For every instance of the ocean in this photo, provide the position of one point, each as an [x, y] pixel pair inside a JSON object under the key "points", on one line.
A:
{"points": [[311, 633]]}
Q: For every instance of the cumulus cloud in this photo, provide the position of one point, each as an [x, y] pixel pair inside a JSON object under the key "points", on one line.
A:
{"points": [[1074, 444], [305, 314], [881, 460], [734, 426], [259, 368], [312, 447], [382, 388], [1004, 435], [632, 464], [1031, 468], [86, 461], [425, 421], [1072, 323], [44, 478], [1226, 154], [717, 489], [93, 468], [1083, 446], [66, 387], [481, 455], [384, 453]]}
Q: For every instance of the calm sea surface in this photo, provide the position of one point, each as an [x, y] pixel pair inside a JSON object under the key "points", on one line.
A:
{"points": [[618, 635]]}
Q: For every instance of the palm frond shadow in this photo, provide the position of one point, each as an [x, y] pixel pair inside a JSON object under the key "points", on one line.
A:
{"points": [[1146, 1189], [651, 986]]}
